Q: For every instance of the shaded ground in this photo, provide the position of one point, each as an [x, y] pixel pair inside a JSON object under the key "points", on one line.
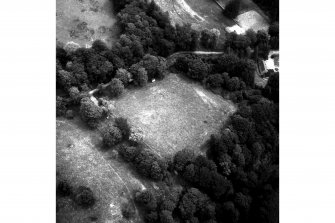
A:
{"points": [[80, 163], [174, 113], [83, 21]]}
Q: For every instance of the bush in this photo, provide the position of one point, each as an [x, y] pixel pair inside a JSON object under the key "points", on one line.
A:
{"points": [[111, 135], [116, 87], [84, 197], [64, 189], [90, 113]]}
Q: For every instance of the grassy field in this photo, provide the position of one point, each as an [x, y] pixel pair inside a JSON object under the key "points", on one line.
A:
{"points": [[83, 21], [174, 113], [81, 163]]}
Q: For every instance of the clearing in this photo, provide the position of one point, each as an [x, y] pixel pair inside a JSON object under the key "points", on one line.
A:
{"points": [[81, 163], [83, 21], [174, 113]]}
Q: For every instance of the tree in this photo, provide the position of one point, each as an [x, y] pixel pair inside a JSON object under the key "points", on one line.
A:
{"points": [[127, 210], [274, 29], [182, 158], [84, 197], [232, 9], [233, 84], [156, 172], [61, 55], [252, 36], [208, 39], [215, 80], [230, 213], [245, 70], [99, 46], [242, 127], [272, 87], [75, 95], [242, 201], [116, 87], [111, 135], [98, 68], [65, 79], [226, 63], [64, 189], [186, 38], [147, 199], [123, 75], [198, 69], [90, 113], [128, 153], [166, 217], [139, 74], [60, 106], [124, 127], [118, 5]]}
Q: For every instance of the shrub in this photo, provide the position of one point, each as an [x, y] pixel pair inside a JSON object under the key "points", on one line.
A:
{"points": [[84, 197], [116, 87], [111, 135], [64, 189]]}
